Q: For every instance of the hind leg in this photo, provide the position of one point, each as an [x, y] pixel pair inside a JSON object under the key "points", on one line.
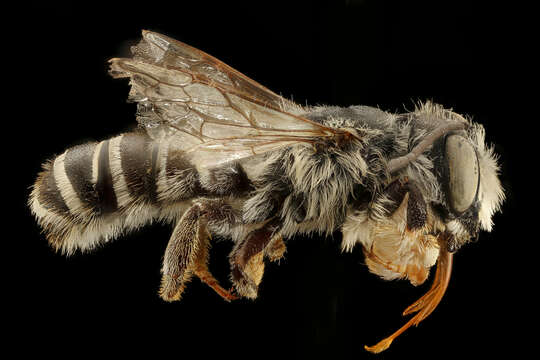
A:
{"points": [[201, 267], [187, 250]]}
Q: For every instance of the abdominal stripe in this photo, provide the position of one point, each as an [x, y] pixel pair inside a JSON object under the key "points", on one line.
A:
{"points": [[104, 184], [49, 195], [139, 161], [78, 167]]}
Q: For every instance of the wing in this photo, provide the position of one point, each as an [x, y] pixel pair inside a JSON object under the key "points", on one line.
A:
{"points": [[210, 110]]}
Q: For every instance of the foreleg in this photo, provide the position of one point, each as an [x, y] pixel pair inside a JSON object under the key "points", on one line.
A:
{"points": [[416, 205]]}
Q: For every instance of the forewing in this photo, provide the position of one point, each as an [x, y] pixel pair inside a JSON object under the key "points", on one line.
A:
{"points": [[208, 109]]}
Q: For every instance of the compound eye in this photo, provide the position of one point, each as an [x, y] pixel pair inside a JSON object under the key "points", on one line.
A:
{"points": [[463, 173]]}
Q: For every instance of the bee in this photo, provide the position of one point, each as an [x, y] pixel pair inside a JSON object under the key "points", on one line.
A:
{"points": [[219, 155]]}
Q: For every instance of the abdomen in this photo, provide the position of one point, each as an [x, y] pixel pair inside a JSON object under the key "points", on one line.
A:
{"points": [[93, 192]]}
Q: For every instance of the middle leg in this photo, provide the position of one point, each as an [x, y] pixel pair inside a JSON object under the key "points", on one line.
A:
{"points": [[247, 258]]}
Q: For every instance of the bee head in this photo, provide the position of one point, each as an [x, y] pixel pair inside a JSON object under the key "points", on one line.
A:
{"points": [[471, 190]]}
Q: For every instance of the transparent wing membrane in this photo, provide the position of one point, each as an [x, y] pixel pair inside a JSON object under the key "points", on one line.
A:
{"points": [[209, 109]]}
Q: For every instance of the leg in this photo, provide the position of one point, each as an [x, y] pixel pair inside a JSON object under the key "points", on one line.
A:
{"points": [[201, 266], [416, 208], [416, 205], [187, 251], [244, 263], [275, 250], [179, 255]]}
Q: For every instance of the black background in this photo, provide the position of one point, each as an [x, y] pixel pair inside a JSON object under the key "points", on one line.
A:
{"points": [[318, 302]]}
